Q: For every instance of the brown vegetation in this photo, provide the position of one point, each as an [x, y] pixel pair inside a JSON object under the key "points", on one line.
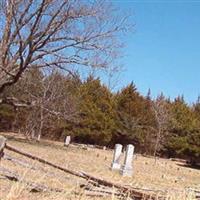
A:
{"points": [[165, 176]]}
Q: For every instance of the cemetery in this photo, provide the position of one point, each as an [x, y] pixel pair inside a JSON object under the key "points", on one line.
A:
{"points": [[74, 171], [99, 100]]}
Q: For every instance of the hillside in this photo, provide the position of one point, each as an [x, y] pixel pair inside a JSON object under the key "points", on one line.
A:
{"points": [[164, 175]]}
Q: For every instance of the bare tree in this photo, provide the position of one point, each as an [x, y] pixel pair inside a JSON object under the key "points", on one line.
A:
{"points": [[56, 33], [162, 117], [52, 101]]}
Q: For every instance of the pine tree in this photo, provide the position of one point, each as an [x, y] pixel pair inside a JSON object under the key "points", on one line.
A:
{"points": [[184, 140], [96, 121], [133, 118]]}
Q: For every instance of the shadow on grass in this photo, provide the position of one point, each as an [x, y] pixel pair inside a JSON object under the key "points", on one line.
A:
{"points": [[197, 166], [42, 143]]}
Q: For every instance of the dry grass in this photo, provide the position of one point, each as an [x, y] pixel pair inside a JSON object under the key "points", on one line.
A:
{"points": [[164, 175]]}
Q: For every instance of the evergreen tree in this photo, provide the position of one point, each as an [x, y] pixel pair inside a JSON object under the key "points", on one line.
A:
{"points": [[133, 118], [96, 121], [184, 140]]}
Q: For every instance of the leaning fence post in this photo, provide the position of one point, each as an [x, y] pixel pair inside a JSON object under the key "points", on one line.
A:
{"points": [[2, 145]]}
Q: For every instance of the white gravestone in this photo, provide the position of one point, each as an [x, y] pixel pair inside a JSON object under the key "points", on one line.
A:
{"points": [[117, 152], [67, 141], [127, 169]]}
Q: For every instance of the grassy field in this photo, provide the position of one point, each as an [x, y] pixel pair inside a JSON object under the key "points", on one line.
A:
{"points": [[162, 175]]}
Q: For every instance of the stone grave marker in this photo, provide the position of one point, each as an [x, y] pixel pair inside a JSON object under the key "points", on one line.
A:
{"points": [[127, 168], [67, 140], [116, 157]]}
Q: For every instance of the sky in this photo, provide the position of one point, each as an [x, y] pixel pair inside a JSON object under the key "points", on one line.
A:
{"points": [[163, 52]]}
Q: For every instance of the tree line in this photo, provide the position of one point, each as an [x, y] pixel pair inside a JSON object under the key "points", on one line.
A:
{"points": [[43, 46], [91, 113]]}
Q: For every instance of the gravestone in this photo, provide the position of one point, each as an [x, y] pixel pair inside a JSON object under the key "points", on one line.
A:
{"points": [[127, 169], [2, 145], [67, 140], [117, 152]]}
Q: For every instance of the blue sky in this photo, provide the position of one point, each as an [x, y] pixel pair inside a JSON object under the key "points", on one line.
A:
{"points": [[163, 53]]}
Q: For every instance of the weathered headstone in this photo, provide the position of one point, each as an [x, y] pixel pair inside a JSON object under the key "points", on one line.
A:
{"points": [[33, 134], [2, 145], [127, 168], [67, 140], [117, 152]]}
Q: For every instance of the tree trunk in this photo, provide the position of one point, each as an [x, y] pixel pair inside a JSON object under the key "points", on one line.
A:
{"points": [[41, 123], [157, 143]]}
